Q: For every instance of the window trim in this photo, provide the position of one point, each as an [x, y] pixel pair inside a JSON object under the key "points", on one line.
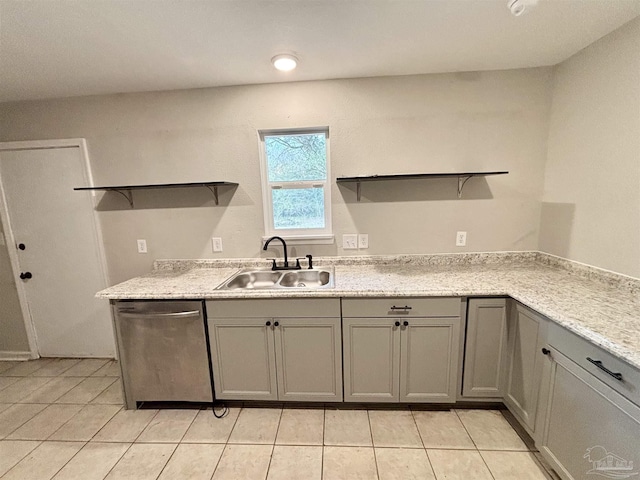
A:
{"points": [[298, 235]]}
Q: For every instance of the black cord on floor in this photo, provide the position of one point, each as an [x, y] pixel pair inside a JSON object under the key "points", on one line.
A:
{"points": [[225, 410]]}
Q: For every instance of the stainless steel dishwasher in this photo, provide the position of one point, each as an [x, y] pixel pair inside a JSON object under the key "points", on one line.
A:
{"points": [[163, 351]]}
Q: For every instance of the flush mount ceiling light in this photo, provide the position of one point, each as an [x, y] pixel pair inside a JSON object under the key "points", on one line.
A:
{"points": [[284, 62], [519, 7]]}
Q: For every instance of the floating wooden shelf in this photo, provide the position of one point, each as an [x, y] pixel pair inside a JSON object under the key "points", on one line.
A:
{"points": [[126, 190], [462, 178]]}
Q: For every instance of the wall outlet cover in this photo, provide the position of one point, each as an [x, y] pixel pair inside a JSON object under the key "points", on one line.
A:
{"points": [[363, 240], [461, 239], [142, 246], [216, 244], [350, 241]]}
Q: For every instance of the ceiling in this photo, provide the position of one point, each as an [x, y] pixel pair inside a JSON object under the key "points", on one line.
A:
{"points": [[61, 48]]}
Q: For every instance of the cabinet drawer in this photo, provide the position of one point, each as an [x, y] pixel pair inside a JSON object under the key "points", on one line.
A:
{"points": [[401, 306], [308, 307], [580, 350]]}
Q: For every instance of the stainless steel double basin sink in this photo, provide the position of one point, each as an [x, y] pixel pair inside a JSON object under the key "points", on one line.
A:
{"points": [[267, 279]]}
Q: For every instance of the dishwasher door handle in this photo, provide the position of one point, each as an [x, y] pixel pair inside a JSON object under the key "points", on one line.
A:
{"points": [[187, 314]]}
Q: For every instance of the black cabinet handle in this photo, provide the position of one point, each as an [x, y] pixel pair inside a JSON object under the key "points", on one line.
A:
{"points": [[268, 324], [397, 324], [276, 324], [598, 363], [405, 323], [22, 246], [25, 275], [406, 307], [546, 351]]}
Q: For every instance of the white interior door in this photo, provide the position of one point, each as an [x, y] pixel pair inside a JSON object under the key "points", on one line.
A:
{"points": [[62, 252]]}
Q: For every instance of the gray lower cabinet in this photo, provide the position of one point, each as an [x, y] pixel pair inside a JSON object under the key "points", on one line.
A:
{"points": [[591, 431], [589, 410], [270, 356], [243, 359], [485, 348], [401, 357], [526, 333]]}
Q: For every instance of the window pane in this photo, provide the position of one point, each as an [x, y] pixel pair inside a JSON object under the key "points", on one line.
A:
{"points": [[298, 208], [292, 158]]}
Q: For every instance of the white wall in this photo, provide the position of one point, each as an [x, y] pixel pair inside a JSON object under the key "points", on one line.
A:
{"points": [[591, 209], [425, 123]]}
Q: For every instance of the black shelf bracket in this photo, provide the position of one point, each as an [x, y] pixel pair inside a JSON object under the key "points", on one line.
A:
{"points": [[128, 194], [214, 191], [461, 181]]}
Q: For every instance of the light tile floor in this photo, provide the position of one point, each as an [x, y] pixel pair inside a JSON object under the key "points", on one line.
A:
{"points": [[63, 419]]}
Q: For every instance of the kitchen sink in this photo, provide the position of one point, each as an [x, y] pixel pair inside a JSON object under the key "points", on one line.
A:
{"points": [[306, 278], [254, 279], [265, 279]]}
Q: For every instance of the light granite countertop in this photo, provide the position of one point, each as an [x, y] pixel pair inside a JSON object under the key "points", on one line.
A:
{"points": [[600, 306]]}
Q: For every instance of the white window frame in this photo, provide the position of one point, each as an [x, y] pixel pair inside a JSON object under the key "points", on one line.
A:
{"points": [[297, 235]]}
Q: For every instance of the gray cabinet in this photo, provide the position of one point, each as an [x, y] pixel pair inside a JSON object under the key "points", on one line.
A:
{"points": [[485, 348], [429, 360], [371, 360], [394, 351], [276, 349], [309, 359], [590, 430], [243, 359], [526, 333], [589, 410]]}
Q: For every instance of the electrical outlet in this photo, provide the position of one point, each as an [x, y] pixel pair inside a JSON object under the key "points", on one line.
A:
{"points": [[142, 246], [461, 239], [350, 241], [363, 240], [216, 244]]}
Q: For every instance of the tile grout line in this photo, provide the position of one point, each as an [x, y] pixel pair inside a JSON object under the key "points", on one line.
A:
{"points": [[24, 378], [89, 401], [324, 426], [30, 452], [422, 441], [475, 444], [20, 426], [177, 445], [226, 442], [57, 398], [273, 446], [373, 446]]}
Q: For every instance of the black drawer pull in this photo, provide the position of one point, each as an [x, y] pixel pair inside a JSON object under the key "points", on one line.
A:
{"points": [[406, 307], [598, 363]]}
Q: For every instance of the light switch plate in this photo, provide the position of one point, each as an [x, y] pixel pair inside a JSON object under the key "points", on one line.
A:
{"points": [[363, 240], [350, 241], [142, 246], [216, 244]]}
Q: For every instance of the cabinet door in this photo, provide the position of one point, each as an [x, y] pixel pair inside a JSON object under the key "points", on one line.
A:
{"points": [[527, 336], [243, 358], [429, 359], [590, 429], [309, 359], [371, 360], [485, 348]]}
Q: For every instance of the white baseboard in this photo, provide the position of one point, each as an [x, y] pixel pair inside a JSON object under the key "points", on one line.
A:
{"points": [[8, 355]]}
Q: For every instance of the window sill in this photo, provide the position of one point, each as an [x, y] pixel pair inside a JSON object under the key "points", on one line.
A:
{"points": [[305, 239]]}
